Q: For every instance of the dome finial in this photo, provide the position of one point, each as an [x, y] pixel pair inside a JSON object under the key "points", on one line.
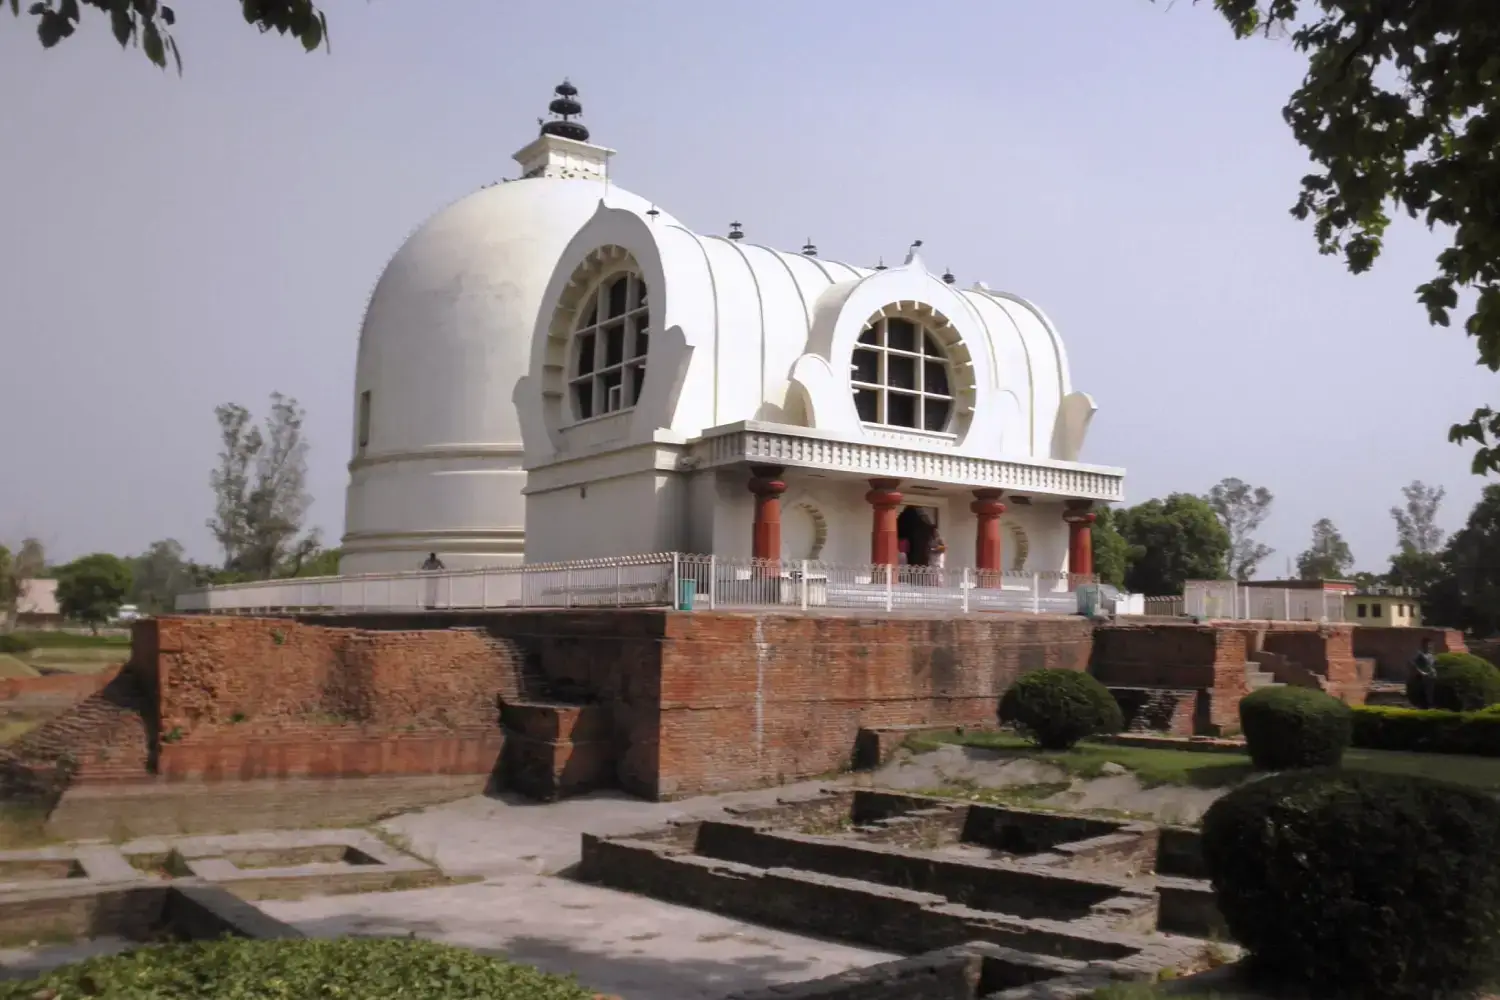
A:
{"points": [[565, 108], [881, 265], [808, 249], [735, 232], [948, 277]]}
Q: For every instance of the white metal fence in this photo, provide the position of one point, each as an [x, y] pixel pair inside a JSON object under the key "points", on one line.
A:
{"points": [[1227, 599], [669, 579]]}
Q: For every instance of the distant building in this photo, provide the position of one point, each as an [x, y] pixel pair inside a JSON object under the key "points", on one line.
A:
{"points": [[1397, 607], [1327, 586], [36, 605]]}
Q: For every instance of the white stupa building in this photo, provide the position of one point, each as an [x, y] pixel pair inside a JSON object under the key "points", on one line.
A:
{"points": [[553, 368]]}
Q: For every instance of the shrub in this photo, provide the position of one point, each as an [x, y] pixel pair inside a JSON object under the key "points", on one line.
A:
{"points": [[1464, 683], [1357, 884], [356, 968], [1057, 708], [11, 642], [1428, 730], [1294, 727]]}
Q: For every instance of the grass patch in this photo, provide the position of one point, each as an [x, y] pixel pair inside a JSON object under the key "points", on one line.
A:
{"points": [[14, 666], [13, 728], [71, 640], [1199, 769], [23, 827], [275, 970]]}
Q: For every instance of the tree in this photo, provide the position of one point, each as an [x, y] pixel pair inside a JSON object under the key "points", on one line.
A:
{"points": [[91, 589], [1416, 523], [1172, 541], [1466, 594], [1241, 509], [260, 493], [9, 586], [1112, 553], [1400, 109], [158, 575], [147, 22], [324, 562], [30, 560], [1328, 558]]}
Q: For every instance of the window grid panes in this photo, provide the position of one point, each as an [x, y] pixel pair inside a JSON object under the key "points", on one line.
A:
{"points": [[608, 368], [901, 377]]}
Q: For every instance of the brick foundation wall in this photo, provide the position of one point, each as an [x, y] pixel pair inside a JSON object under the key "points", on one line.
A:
{"points": [[1325, 649], [1183, 657], [1393, 648], [54, 688]]}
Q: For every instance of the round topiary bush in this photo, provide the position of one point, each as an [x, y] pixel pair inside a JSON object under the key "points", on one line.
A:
{"points": [[355, 968], [1057, 708], [1288, 727], [1464, 683], [12, 643], [1354, 884]]}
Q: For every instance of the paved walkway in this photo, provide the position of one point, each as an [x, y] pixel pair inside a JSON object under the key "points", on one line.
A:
{"points": [[614, 942]]}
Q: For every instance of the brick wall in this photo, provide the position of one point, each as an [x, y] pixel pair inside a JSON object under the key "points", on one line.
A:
{"points": [[1393, 648], [1179, 656], [702, 702], [54, 687], [1325, 649]]}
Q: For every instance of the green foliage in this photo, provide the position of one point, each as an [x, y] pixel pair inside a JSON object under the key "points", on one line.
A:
{"points": [[1351, 884], [147, 22], [1328, 558], [1288, 727], [158, 575], [1057, 708], [1400, 108], [318, 562], [1112, 554], [1466, 591], [1416, 730], [260, 490], [13, 644], [1241, 508], [69, 640], [1172, 541], [1463, 683], [355, 968], [91, 589]]}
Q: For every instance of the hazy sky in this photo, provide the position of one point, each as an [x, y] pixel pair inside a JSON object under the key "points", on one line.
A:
{"points": [[173, 243]]}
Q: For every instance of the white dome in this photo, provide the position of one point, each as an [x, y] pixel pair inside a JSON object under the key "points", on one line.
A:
{"points": [[445, 338]]}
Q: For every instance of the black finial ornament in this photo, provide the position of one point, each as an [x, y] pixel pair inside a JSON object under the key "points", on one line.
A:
{"points": [[915, 244], [735, 232], [653, 211], [565, 108], [948, 277], [881, 265], [808, 250]]}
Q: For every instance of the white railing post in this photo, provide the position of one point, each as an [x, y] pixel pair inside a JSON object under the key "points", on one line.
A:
{"points": [[568, 587], [1286, 604], [890, 586], [964, 586], [618, 596], [676, 581], [1036, 593], [804, 585], [713, 582]]}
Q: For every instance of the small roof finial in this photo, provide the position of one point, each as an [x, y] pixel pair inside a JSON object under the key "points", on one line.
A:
{"points": [[565, 108], [808, 250], [948, 277], [653, 211], [735, 232], [881, 265]]}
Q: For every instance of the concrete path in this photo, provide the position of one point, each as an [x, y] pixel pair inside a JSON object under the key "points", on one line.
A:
{"points": [[613, 942]]}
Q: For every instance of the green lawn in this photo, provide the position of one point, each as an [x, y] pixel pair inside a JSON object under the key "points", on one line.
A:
{"points": [[14, 666], [1203, 769]]}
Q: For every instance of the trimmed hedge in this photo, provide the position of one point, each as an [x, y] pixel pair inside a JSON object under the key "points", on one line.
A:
{"points": [[1428, 730], [1360, 885], [1463, 683], [1057, 708], [11, 643], [1287, 727], [354, 968]]}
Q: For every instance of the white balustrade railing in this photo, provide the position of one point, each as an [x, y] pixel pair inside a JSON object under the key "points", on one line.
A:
{"points": [[667, 579], [1225, 599]]}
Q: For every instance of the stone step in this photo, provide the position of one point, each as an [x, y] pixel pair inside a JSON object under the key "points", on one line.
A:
{"points": [[1257, 679]]}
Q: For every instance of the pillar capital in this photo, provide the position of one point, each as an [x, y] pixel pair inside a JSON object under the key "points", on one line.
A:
{"points": [[987, 503], [884, 493], [884, 497], [766, 481]]}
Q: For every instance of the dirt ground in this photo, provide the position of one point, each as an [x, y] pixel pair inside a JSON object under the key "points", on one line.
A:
{"points": [[956, 770]]}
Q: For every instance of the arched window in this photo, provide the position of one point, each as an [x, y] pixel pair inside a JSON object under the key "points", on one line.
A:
{"points": [[608, 366], [901, 377]]}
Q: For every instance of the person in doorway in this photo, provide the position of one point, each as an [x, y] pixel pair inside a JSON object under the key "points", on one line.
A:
{"points": [[432, 564], [938, 558], [1425, 664]]}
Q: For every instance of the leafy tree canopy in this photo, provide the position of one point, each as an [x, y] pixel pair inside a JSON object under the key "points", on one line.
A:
{"points": [[1416, 520], [147, 23], [1173, 541], [1328, 557], [92, 588], [1400, 110], [1112, 553], [1241, 509], [1466, 591]]}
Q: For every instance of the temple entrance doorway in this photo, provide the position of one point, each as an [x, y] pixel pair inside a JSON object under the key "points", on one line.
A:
{"points": [[916, 531]]}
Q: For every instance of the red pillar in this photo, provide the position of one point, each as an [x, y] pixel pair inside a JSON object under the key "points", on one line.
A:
{"points": [[767, 485], [988, 552], [1080, 537], [885, 498]]}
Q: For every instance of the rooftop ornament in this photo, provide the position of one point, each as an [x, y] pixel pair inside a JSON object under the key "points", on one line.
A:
{"points": [[948, 277], [808, 249], [735, 232], [565, 108]]}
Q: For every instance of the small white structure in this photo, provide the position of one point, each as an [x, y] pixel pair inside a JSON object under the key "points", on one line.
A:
{"points": [[694, 393]]}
